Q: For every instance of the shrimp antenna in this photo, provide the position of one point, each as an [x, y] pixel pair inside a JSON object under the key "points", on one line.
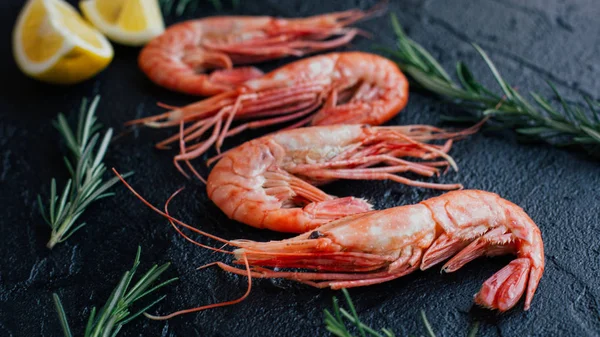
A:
{"points": [[183, 234], [442, 154], [379, 9], [210, 306], [179, 222], [173, 221], [167, 106], [181, 151]]}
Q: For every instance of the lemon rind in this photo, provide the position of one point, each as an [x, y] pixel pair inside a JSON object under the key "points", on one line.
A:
{"points": [[115, 33], [70, 40]]}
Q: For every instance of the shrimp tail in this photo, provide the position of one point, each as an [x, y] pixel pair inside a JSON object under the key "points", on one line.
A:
{"points": [[518, 235], [504, 289]]}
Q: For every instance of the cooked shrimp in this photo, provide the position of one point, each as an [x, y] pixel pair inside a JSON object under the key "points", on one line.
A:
{"points": [[336, 88], [380, 246], [179, 58], [269, 182]]}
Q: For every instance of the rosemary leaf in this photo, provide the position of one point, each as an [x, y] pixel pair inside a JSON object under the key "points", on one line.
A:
{"points": [[539, 120], [336, 323], [466, 78], [592, 106], [86, 169], [595, 134], [116, 311], [427, 324], [505, 87], [474, 329], [62, 316], [354, 314]]}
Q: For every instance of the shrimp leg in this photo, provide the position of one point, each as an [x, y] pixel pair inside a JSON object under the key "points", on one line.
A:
{"points": [[336, 88]]}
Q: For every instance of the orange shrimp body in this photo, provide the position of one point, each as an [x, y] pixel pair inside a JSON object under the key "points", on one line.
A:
{"points": [[269, 182], [363, 88], [379, 246], [336, 88], [179, 58]]}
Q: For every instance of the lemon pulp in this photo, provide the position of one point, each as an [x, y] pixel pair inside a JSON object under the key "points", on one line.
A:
{"points": [[52, 43], [130, 22]]}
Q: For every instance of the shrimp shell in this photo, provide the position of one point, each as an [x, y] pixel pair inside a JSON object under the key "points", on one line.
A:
{"points": [[379, 246], [270, 182], [179, 58], [336, 88]]}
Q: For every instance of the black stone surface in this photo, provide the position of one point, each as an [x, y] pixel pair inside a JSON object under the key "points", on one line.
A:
{"points": [[531, 42]]}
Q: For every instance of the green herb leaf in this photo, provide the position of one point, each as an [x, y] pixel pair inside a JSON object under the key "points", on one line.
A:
{"points": [[116, 311], [474, 329], [62, 316], [427, 324], [336, 323], [509, 109], [86, 168]]}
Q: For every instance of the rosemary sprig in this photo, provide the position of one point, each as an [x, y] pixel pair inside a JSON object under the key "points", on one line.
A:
{"points": [[190, 6], [116, 312], [539, 121], [336, 322], [86, 168]]}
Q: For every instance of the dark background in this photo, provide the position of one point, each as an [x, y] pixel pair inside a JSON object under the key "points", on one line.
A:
{"points": [[531, 42]]}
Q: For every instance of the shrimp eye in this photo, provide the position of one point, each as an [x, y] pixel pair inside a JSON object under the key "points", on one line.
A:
{"points": [[316, 235]]}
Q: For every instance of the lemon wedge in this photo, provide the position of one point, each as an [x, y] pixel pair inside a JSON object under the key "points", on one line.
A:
{"points": [[129, 22], [52, 43]]}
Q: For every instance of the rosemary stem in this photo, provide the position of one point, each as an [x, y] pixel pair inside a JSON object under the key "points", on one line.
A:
{"points": [[59, 232], [352, 319], [53, 240], [62, 316], [86, 185], [537, 119], [117, 310]]}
